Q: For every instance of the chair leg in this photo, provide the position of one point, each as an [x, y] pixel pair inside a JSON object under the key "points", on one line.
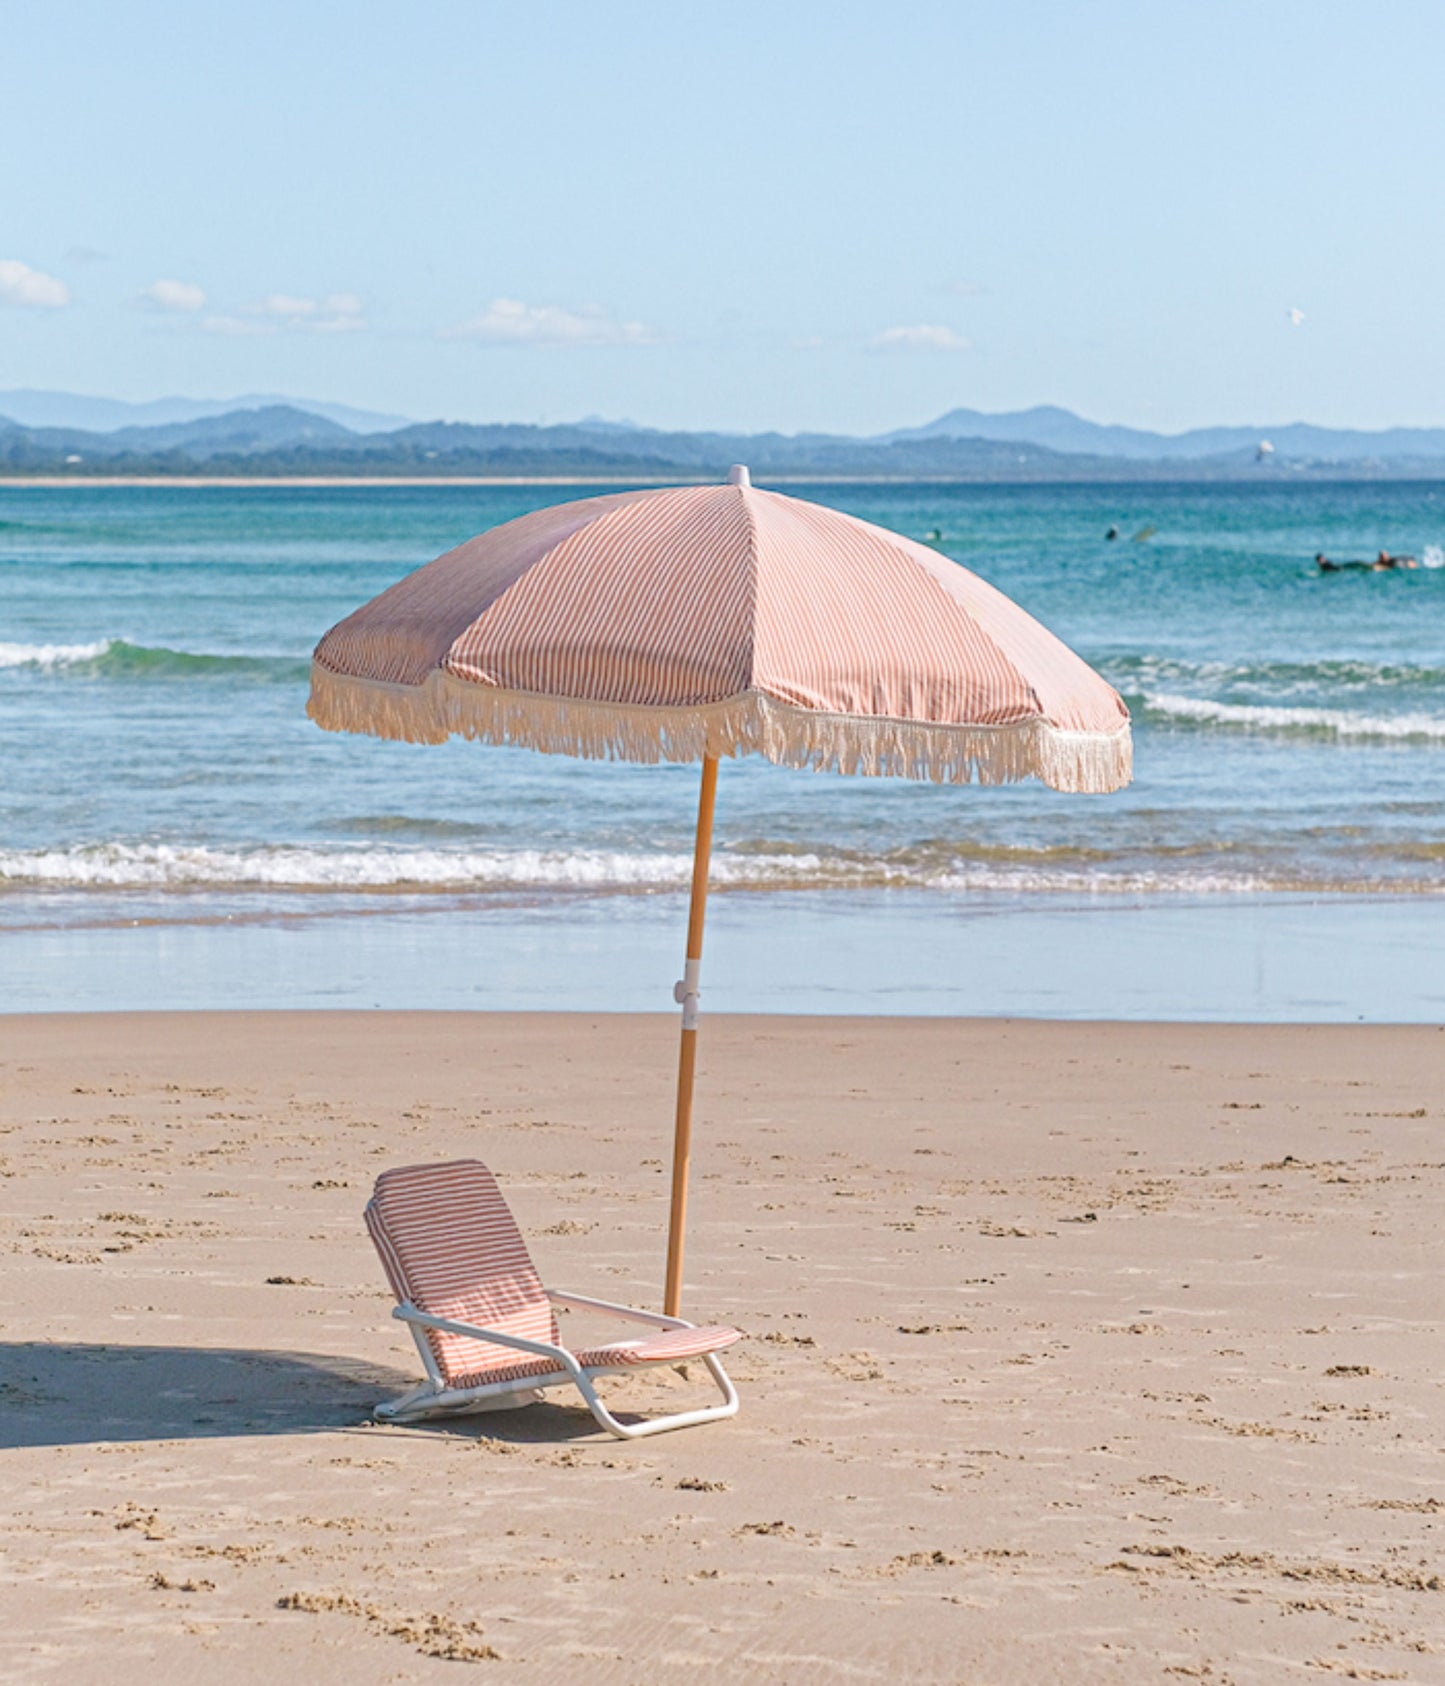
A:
{"points": [[660, 1425], [415, 1402], [424, 1401]]}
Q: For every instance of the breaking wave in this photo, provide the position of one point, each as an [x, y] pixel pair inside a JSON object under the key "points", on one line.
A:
{"points": [[1144, 672], [52, 655], [939, 866], [1326, 724], [117, 658]]}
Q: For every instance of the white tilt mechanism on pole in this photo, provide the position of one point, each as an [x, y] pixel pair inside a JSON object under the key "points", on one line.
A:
{"points": [[686, 991]]}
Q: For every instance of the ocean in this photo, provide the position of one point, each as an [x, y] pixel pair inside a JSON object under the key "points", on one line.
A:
{"points": [[174, 831]]}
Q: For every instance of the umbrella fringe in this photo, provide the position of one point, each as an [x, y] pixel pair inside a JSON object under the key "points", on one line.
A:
{"points": [[1089, 762]]}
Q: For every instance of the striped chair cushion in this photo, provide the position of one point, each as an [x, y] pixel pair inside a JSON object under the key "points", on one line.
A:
{"points": [[450, 1246], [667, 1346]]}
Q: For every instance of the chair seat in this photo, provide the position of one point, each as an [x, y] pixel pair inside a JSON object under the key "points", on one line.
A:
{"points": [[667, 1346]]}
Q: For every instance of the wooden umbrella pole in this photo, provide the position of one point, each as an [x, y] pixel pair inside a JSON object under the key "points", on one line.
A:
{"points": [[687, 993]]}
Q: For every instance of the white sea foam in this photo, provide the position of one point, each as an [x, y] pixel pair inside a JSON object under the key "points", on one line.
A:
{"points": [[1432, 556], [165, 866], [1134, 673], [52, 655], [281, 869], [174, 866], [1312, 722]]}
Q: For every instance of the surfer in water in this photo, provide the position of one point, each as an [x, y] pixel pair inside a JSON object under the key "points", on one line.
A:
{"points": [[1383, 563]]}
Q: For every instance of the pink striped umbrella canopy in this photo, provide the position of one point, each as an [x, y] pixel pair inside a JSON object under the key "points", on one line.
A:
{"points": [[699, 621]]}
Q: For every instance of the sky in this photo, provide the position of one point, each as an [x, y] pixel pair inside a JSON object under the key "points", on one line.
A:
{"points": [[801, 216]]}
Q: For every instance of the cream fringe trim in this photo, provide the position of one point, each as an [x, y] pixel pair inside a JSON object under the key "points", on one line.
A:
{"points": [[445, 706]]}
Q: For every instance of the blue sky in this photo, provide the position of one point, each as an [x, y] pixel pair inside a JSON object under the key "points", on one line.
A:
{"points": [[803, 216]]}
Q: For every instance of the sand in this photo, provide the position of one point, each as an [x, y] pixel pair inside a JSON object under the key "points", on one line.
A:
{"points": [[1074, 1353]]}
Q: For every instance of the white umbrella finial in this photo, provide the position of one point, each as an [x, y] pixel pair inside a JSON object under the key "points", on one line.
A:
{"points": [[738, 475]]}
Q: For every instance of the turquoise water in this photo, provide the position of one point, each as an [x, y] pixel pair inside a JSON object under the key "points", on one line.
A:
{"points": [[160, 770]]}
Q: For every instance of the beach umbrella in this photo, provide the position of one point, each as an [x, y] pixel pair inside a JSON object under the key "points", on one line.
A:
{"points": [[695, 622]]}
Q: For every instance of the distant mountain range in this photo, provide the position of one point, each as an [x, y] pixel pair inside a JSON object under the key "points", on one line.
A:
{"points": [[1062, 430], [33, 408], [253, 438]]}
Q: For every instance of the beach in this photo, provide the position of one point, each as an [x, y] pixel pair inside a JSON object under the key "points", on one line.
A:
{"points": [[1070, 1165], [820, 640], [1074, 1351]]}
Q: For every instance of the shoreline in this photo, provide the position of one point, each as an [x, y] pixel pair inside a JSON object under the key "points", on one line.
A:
{"points": [[888, 953], [1136, 1319]]}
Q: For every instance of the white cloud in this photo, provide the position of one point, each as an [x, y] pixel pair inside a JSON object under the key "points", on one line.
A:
{"points": [[340, 313], [336, 313], [181, 296], [922, 337], [284, 304], [966, 289], [237, 327], [510, 322], [22, 285]]}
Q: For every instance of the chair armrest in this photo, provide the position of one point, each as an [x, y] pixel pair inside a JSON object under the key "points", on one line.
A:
{"points": [[584, 1302], [408, 1313]]}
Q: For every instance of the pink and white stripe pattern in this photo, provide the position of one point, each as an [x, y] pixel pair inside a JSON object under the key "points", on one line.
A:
{"points": [[669, 1346], [450, 1245], [718, 620]]}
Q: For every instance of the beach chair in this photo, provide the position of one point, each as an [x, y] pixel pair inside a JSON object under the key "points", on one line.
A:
{"points": [[482, 1321]]}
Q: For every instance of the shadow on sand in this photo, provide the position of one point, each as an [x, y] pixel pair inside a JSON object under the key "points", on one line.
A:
{"points": [[54, 1394]]}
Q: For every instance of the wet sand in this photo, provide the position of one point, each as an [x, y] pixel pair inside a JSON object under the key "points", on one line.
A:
{"points": [[1074, 1352]]}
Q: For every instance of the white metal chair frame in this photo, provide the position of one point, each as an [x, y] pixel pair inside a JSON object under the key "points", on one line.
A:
{"points": [[435, 1397]]}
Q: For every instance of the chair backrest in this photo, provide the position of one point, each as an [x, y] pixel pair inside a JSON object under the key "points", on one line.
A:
{"points": [[450, 1246]]}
